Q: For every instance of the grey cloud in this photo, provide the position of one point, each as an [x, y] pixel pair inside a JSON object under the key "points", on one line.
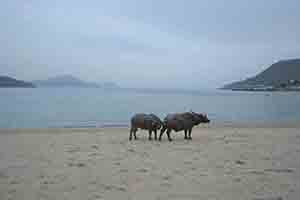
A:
{"points": [[147, 43]]}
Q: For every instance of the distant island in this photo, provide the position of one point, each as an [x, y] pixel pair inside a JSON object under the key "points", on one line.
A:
{"points": [[71, 81], [8, 82], [64, 81], [55, 82], [280, 76], [109, 85]]}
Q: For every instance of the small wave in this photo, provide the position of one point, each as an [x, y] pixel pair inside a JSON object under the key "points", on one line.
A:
{"points": [[115, 125], [91, 124]]}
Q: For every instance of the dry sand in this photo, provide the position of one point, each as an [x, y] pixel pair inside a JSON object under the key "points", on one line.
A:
{"points": [[219, 163]]}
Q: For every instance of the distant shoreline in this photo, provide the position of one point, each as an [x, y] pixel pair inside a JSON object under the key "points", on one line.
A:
{"points": [[283, 124], [261, 90]]}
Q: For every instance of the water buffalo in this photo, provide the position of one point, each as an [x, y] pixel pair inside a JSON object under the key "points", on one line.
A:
{"points": [[182, 121], [143, 121]]}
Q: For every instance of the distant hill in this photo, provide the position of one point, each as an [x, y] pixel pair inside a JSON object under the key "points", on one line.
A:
{"points": [[65, 81], [109, 85], [279, 73], [8, 82]]}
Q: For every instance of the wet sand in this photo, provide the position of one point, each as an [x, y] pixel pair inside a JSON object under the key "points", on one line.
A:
{"points": [[232, 162]]}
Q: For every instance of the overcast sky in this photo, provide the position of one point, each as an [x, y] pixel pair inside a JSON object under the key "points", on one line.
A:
{"points": [[154, 43]]}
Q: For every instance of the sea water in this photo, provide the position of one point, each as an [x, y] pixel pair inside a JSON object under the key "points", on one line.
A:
{"points": [[93, 107]]}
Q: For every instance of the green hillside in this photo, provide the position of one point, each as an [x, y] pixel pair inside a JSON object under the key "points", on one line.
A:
{"points": [[279, 73]]}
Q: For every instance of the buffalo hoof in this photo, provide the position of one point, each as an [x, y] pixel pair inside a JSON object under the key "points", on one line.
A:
{"points": [[170, 140], [149, 138], [190, 138]]}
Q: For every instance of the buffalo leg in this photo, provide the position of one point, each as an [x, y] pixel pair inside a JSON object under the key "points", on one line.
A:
{"points": [[162, 132], [185, 135], [155, 134], [168, 134], [134, 133], [190, 134], [150, 133], [130, 135], [132, 130]]}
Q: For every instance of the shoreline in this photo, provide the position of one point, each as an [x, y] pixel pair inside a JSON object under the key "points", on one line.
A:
{"points": [[283, 124], [207, 127]]}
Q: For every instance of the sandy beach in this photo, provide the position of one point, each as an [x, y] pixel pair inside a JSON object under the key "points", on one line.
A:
{"points": [[232, 162]]}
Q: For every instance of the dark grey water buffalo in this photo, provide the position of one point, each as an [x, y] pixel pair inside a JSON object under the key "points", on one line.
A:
{"points": [[143, 121], [182, 121]]}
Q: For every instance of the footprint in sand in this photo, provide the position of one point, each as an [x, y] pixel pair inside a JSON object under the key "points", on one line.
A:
{"points": [[48, 182], [203, 174], [193, 168], [240, 162], [94, 154], [157, 144], [257, 172], [123, 170], [177, 171], [188, 162], [93, 182], [237, 180], [266, 158], [122, 189], [73, 188], [142, 170], [108, 187], [73, 149], [166, 178], [113, 187], [3, 175], [12, 191], [76, 164], [131, 150], [95, 146], [168, 185], [80, 165], [13, 182], [269, 198], [279, 170], [96, 197], [60, 177]]}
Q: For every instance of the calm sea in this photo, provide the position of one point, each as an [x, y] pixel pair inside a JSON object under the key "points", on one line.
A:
{"points": [[90, 107]]}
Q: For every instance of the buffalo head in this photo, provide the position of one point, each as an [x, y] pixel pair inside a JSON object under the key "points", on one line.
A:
{"points": [[156, 122], [200, 118]]}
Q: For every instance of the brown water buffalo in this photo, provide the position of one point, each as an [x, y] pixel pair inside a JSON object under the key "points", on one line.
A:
{"points": [[182, 121], [143, 121]]}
